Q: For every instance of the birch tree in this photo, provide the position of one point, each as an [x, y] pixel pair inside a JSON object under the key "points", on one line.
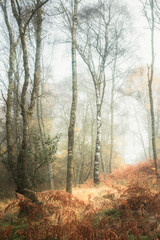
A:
{"points": [[71, 129], [96, 41], [94, 50], [69, 10], [9, 100], [23, 20], [149, 9]]}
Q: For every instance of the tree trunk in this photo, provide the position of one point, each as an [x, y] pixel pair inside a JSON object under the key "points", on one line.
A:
{"points": [[9, 133], [112, 106], [153, 127], [98, 139], [71, 130], [27, 112], [102, 163], [150, 81], [90, 170], [16, 111], [22, 158], [9, 109], [23, 155], [112, 125]]}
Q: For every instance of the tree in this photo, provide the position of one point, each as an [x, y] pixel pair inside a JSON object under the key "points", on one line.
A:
{"points": [[71, 129], [70, 15], [94, 37], [27, 109], [69, 11], [98, 33], [149, 8], [9, 100]]}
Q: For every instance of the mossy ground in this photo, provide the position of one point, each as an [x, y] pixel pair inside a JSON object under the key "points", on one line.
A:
{"points": [[13, 230]]}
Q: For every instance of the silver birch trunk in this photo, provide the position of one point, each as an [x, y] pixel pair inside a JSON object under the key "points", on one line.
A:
{"points": [[9, 101], [111, 132], [90, 171], [98, 138], [112, 119], [71, 129], [153, 128], [112, 106], [150, 81]]}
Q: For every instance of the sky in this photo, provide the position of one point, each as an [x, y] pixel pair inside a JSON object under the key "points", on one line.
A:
{"points": [[133, 146], [141, 35], [59, 58]]}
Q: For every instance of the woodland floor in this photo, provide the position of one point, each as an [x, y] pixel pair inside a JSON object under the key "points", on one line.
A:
{"points": [[125, 206]]}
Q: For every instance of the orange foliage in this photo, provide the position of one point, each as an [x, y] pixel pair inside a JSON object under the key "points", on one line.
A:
{"points": [[134, 197], [6, 232]]}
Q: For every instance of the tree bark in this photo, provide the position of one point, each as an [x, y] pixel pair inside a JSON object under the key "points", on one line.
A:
{"points": [[27, 112], [153, 127], [150, 81], [98, 139], [112, 116], [112, 104], [90, 170], [71, 129], [16, 110], [9, 101]]}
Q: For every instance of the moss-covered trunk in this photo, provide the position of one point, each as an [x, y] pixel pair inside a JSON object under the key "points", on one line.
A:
{"points": [[27, 109]]}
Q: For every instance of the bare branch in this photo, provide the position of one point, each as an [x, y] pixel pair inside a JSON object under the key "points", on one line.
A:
{"points": [[33, 13], [3, 97]]}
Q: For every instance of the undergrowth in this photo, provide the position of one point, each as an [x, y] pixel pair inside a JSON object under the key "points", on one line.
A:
{"points": [[132, 213]]}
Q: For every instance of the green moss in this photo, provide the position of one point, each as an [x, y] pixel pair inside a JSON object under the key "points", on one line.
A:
{"points": [[4, 224], [20, 227], [132, 237], [19, 238], [98, 217], [114, 213], [15, 228], [158, 235], [145, 238]]}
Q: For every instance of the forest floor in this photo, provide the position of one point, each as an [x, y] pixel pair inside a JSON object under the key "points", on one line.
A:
{"points": [[124, 206]]}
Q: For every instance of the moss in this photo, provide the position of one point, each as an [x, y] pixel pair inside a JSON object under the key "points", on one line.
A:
{"points": [[132, 237], [19, 238], [15, 228], [158, 235], [98, 217], [145, 238], [20, 227], [110, 214], [114, 213]]}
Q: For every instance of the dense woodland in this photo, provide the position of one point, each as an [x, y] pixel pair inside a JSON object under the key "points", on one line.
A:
{"points": [[75, 91]]}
